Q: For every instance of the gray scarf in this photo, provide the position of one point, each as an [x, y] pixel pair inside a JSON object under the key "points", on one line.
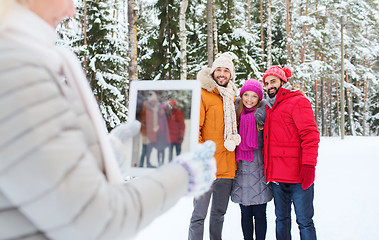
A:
{"points": [[271, 101]]}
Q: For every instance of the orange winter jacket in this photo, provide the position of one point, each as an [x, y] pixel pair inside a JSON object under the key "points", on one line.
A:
{"points": [[212, 124], [148, 127]]}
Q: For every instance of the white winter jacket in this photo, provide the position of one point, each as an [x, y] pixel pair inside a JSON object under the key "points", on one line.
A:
{"points": [[53, 178]]}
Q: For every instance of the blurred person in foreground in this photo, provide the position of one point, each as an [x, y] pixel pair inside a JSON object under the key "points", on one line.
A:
{"points": [[290, 152], [59, 177]]}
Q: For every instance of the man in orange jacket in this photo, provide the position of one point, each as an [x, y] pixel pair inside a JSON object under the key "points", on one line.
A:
{"points": [[217, 123]]}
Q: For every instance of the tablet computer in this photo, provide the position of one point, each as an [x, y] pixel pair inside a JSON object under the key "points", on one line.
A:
{"points": [[169, 112]]}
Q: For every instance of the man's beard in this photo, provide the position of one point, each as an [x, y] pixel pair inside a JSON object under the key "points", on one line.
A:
{"points": [[273, 94], [222, 85], [216, 80]]}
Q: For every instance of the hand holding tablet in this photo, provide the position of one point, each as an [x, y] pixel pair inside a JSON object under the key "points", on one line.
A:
{"points": [[169, 115]]}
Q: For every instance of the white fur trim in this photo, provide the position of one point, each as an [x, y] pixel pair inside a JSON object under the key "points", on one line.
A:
{"points": [[206, 79]]}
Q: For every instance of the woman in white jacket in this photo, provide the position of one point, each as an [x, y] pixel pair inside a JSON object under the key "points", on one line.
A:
{"points": [[58, 173]]}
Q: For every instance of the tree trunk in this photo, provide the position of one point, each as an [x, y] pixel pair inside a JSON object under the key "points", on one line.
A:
{"points": [[269, 34], [350, 108], [215, 34], [262, 34], [330, 100], [342, 84], [302, 57], [132, 30], [358, 97], [288, 29], [115, 13], [323, 107], [183, 42], [210, 42], [337, 112], [316, 97], [249, 15], [365, 106], [85, 36]]}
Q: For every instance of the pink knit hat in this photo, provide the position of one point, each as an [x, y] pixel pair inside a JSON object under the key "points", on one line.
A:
{"points": [[282, 73], [253, 85]]}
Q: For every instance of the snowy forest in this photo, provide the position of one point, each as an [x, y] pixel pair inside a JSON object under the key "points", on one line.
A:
{"points": [[331, 46]]}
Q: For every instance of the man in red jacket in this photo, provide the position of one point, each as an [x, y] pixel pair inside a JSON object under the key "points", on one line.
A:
{"points": [[176, 128], [290, 153]]}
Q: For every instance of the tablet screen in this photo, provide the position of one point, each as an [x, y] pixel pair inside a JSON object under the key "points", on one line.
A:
{"points": [[169, 115]]}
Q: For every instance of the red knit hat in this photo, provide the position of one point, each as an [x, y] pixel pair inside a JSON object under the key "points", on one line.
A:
{"points": [[253, 85], [282, 73], [172, 102]]}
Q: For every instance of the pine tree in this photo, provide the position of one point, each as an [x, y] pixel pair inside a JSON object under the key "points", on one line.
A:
{"points": [[163, 46], [233, 36], [311, 48], [100, 44]]}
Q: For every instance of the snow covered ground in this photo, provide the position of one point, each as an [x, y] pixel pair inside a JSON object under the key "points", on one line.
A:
{"points": [[346, 198]]}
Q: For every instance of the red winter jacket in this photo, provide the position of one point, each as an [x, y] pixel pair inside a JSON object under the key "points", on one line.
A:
{"points": [[176, 126], [290, 137]]}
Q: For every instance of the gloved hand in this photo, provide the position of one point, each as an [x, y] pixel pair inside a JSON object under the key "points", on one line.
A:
{"points": [[260, 113], [307, 175], [121, 137], [126, 131], [201, 167]]}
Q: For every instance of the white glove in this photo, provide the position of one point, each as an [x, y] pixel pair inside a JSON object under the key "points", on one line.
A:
{"points": [[201, 167], [121, 137], [126, 131]]}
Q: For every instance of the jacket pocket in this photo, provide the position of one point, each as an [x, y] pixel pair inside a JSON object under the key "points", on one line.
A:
{"points": [[285, 163]]}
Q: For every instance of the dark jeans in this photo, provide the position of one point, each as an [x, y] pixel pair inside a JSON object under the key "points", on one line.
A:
{"points": [[178, 149], [220, 192], [160, 155], [146, 152], [248, 215], [284, 195]]}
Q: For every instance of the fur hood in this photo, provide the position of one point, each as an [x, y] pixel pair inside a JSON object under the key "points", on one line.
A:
{"points": [[206, 79]]}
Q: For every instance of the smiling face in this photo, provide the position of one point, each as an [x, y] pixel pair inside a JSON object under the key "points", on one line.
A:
{"points": [[52, 11], [249, 99], [222, 76], [272, 85]]}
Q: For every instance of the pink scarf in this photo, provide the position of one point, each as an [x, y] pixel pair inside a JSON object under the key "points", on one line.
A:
{"points": [[249, 136]]}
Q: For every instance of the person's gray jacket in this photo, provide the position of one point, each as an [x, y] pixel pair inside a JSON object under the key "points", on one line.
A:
{"points": [[52, 181], [249, 186]]}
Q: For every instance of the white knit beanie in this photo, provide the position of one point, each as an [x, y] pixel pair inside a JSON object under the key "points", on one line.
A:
{"points": [[224, 60]]}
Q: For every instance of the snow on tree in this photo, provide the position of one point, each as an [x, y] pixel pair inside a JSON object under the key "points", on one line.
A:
{"points": [[306, 36], [98, 36]]}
